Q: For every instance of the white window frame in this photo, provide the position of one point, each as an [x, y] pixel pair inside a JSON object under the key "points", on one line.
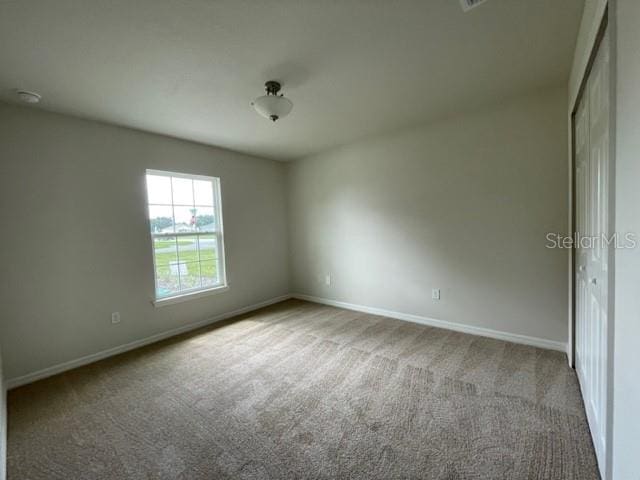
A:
{"points": [[218, 232]]}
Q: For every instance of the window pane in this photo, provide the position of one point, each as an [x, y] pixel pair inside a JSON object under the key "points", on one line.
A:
{"points": [[209, 272], [182, 191], [185, 218], [205, 220], [189, 275], [160, 219], [188, 249], [208, 247], [167, 281], [203, 192], [165, 250], [159, 189], [209, 260]]}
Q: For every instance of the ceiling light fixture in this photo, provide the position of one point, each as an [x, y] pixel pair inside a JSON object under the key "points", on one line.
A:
{"points": [[272, 105], [469, 4], [28, 97]]}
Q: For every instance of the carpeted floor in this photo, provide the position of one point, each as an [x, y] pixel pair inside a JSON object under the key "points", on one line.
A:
{"points": [[299, 390]]}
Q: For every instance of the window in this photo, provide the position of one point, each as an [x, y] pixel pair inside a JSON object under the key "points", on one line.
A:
{"points": [[185, 219]]}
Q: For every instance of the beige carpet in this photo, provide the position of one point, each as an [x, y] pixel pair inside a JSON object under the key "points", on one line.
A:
{"points": [[299, 390]]}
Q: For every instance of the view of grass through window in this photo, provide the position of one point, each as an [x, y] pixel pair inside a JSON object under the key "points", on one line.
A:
{"points": [[184, 218]]}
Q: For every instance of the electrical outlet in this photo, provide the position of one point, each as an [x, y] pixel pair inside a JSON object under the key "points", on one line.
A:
{"points": [[327, 279], [435, 294], [115, 317]]}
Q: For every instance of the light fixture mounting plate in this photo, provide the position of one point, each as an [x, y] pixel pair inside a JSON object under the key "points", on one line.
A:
{"points": [[272, 87]]}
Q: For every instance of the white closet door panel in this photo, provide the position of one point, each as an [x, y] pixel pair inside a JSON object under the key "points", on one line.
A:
{"points": [[592, 180]]}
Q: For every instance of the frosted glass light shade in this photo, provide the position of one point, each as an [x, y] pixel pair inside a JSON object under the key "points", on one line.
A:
{"points": [[273, 107]]}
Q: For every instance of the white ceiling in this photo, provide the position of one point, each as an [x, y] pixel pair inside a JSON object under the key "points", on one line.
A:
{"points": [[353, 68]]}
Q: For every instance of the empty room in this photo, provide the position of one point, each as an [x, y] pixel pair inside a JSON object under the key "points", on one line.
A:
{"points": [[319, 239]]}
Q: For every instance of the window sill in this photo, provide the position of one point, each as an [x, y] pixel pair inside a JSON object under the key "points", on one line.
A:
{"points": [[161, 302]]}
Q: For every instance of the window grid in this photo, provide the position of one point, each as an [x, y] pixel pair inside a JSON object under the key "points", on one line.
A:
{"points": [[188, 269]]}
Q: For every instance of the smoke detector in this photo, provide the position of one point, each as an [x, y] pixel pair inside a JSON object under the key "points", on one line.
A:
{"points": [[28, 97], [469, 4]]}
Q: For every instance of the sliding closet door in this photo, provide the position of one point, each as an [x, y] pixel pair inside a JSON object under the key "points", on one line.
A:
{"points": [[592, 181]]}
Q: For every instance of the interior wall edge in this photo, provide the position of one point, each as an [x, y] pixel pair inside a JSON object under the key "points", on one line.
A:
{"points": [[128, 128], [79, 362], [445, 324], [435, 122]]}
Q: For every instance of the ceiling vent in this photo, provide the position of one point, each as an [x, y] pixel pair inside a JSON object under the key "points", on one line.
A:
{"points": [[469, 4]]}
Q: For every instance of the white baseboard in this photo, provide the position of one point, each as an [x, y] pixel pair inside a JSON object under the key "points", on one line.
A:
{"points": [[458, 327], [94, 357]]}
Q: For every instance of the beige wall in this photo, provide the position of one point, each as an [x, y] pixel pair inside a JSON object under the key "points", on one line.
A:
{"points": [[462, 205], [76, 245]]}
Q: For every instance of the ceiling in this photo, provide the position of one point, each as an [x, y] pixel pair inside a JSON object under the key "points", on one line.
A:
{"points": [[353, 68]]}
